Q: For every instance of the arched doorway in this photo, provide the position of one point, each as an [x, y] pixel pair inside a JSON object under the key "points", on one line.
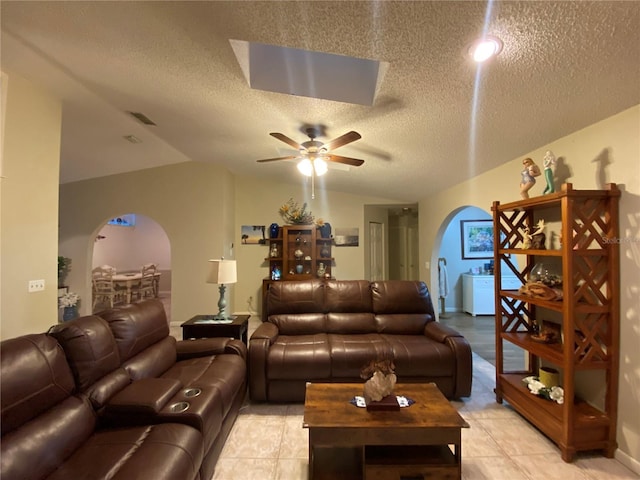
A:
{"points": [[129, 241], [457, 262], [448, 250]]}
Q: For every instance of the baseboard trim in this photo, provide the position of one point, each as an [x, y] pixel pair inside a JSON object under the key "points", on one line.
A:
{"points": [[628, 461]]}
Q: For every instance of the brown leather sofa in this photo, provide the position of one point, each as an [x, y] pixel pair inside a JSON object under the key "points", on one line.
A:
{"points": [[102, 397], [328, 330]]}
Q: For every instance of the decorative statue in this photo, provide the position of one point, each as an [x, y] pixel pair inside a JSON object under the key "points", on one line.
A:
{"points": [[531, 170], [538, 237], [526, 237], [548, 163], [381, 380]]}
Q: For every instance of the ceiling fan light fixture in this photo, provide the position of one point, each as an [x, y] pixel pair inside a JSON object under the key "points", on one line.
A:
{"points": [[305, 167], [320, 166], [485, 48]]}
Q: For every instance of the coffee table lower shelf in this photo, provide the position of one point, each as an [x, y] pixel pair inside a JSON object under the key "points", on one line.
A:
{"points": [[385, 462]]}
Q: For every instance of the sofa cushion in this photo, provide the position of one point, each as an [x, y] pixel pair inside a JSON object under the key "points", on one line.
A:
{"points": [[401, 297], [166, 451], [348, 296], [34, 377], [301, 356], [402, 323], [153, 361], [338, 322], [137, 326], [299, 323], [42, 423], [419, 356], [90, 348], [295, 297], [351, 353], [38, 447]]}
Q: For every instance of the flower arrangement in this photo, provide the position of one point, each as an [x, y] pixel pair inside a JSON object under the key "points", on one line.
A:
{"points": [[292, 213], [69, 299], [536, 387]]}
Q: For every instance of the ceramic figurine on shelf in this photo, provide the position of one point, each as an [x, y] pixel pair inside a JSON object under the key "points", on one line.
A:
{"points": [[321, 270], [530, 171], [526, 237], [275, 273], [538, 237], [274, 251], [548, 163]]}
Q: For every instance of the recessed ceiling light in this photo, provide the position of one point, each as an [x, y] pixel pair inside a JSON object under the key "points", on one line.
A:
{"points": [[485, 48]]}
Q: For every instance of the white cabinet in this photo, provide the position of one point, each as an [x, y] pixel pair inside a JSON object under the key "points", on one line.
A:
{"points": [[478, 293]]}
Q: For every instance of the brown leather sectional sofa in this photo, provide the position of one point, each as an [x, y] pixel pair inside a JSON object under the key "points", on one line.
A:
{"points": [[328, 330], [101, 397]]}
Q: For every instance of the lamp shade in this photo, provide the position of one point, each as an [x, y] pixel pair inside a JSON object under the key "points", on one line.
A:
{"points": [[222, 272]]}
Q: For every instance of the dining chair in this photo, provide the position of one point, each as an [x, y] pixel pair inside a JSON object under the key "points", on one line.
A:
{"points": [[104, 289], [148, 285]]}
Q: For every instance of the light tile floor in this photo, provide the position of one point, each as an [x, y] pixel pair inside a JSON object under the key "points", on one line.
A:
{"points": [[267, 441]]}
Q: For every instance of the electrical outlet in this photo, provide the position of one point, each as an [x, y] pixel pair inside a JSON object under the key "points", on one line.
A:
{"points": [[36, 285]]}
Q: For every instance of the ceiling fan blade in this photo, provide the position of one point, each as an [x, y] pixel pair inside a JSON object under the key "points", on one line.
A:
{"points": [[286, 140], [342, 140], [354, 162], [290, 157]]}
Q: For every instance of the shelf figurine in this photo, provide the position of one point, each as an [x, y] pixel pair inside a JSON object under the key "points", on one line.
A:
{"points": [[530, 171], [538, 237], [548, 162]]}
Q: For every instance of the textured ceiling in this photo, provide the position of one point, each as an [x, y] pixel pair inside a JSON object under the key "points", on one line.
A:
{"points": [[436, 120]]}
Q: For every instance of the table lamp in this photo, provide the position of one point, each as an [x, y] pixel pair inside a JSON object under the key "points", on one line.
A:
{"points": [[223, 272]]}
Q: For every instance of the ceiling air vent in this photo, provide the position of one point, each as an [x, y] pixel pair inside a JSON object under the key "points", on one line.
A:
{"points": [[141, 117]]}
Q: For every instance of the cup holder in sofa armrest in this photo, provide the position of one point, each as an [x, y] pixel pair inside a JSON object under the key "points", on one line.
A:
{"points": [[191, 392], [146, 396], [179, 407]]}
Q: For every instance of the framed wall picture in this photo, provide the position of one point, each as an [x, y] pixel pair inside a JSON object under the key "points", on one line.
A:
{"points": [[476, 239], [253, 235], [347, 237]]}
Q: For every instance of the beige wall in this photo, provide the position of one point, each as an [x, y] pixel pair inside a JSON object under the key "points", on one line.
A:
{"points": [[29, 208], [615, 144], [181, 199], [257, 203], [200, 226]]}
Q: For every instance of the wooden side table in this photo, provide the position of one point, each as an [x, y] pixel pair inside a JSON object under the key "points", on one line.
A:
{"points": [[200, 327]]}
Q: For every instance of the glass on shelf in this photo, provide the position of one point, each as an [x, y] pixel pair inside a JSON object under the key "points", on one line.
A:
{"points": [[546, 274]]}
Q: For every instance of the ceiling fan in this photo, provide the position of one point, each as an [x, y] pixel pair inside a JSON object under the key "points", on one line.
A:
{"points": [[313, 149], [314, 155]]}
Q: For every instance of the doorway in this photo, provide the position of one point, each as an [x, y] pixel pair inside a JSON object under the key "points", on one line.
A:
{"points": [[129, 241]]}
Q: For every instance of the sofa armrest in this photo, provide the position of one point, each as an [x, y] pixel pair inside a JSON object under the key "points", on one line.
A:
{"points": [[439, 332], [462, 351], [259, 345], [266, 331], [202, 347], [145, 396]]}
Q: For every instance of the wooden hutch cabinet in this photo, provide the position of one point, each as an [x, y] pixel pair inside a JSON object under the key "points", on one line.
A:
{"points": [[298, 253], [587, 316]]}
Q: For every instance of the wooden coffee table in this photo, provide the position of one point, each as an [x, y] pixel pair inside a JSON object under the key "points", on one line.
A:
{"points": [[348, 442]]}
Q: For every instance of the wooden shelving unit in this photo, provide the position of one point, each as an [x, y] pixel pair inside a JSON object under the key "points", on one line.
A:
{"points": [[315, 250], [588, 313], [312, 249]]}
